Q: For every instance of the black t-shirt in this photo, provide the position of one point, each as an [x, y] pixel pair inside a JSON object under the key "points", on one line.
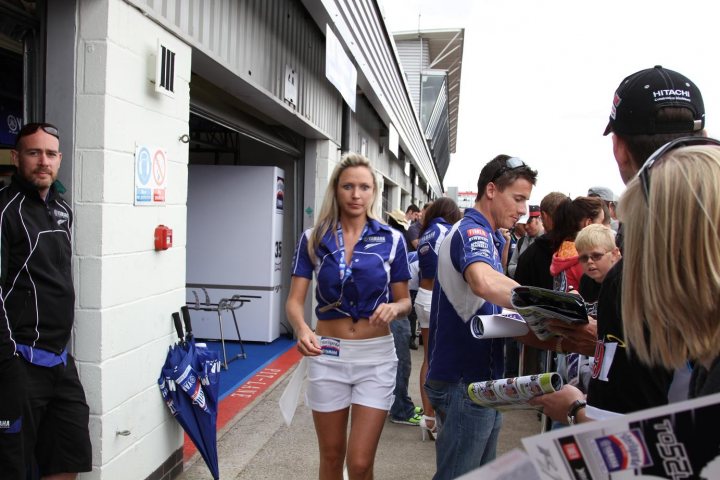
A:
{"points": [[533, 265], [412, 233], [629, 384], [704, 381], [589, 289]]}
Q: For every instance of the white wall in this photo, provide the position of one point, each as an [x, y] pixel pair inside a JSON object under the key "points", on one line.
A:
{"points": [[126, 291]]}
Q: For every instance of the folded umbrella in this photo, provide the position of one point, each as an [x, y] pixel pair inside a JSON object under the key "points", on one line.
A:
{"points": [[189, 383]]}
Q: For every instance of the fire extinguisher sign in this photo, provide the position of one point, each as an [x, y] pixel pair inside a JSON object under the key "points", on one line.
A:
{"points": [[151, 165]]}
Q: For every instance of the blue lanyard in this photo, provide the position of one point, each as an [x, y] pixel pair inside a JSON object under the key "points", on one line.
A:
{"points": [[346, 270]]}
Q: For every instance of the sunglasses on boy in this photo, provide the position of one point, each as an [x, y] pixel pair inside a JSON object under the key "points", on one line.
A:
{"points": [[595, 257], [644, 172], [30, 128]]}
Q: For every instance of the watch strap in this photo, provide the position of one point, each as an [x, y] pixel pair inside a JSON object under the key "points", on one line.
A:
{"points": [[574, 409]]}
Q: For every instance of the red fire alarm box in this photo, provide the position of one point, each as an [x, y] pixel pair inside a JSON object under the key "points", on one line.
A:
{"points": [[163, 237]]}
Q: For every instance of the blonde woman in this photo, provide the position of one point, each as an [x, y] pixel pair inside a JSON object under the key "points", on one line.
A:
{"points": [[671, 271], [671, 213], [362, 276]]}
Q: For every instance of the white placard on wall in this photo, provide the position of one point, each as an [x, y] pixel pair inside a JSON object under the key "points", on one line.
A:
{"points": [[339, 69], [151, 166]]}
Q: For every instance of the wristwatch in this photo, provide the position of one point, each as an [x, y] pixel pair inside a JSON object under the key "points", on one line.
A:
{"points": [[574, 409]]}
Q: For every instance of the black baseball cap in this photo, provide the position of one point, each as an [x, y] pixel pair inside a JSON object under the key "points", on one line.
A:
{"points": [[641, 95]]}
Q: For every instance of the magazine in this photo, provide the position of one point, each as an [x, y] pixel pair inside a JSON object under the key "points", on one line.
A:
{"points": [[679, 440], [513, 393], [506, 324], [538, 305]]}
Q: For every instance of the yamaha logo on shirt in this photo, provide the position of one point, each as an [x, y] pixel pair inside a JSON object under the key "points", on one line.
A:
{"points": [[374, 239], [60, 216], [10, 426]]}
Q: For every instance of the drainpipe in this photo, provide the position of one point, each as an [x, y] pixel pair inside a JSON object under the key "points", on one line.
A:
{"points": [[413, 174], [345, 131]]}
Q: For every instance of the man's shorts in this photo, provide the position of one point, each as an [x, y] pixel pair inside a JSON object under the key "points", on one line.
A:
{"points": [[360, 372], [12, 404], [57, 425]]}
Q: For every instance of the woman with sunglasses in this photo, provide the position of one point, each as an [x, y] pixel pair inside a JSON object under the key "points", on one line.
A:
{"points": [[670, 212], [671, 215], [362, 274]]}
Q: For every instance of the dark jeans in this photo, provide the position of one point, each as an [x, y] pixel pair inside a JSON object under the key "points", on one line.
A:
{"points": [[403, 406], [512, 357]]}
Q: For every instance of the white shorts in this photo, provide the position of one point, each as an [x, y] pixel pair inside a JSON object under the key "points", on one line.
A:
{"points": [[422, 307], [349, 372]]}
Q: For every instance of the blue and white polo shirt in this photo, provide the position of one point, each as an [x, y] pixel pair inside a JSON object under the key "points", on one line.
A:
{"points": [[429, 245], [454, 354], [378, 260]]}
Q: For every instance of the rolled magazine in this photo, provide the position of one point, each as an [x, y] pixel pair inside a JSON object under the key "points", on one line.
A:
{"points": [[539, 305], [513, 393], [505, 324]]}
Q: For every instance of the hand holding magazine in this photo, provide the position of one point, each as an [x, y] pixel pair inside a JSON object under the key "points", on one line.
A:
{"points": [[513, 393], [538, 305]]}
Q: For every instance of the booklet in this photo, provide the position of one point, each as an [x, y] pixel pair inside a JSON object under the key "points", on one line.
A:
{"points": [[538, 305], [513, 393], [679, 440]]}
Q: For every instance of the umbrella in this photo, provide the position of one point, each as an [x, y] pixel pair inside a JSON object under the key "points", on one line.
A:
{"points": [[189, 383]]}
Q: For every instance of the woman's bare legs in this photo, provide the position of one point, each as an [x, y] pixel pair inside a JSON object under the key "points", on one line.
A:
{"points": [[366, 425], [365, 428], [429, 412], [331, 430]]}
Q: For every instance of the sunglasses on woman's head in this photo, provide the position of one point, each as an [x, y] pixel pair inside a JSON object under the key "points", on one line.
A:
{"points": [[644, 172]]}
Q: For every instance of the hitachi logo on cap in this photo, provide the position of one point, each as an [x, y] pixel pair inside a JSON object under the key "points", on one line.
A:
{"points": [[670, 92]]}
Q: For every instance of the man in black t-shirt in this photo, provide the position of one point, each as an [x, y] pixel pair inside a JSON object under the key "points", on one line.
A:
{"points": [[650, 108]]}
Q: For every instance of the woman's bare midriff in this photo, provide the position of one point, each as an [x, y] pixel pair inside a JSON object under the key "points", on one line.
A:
{"points": [[347, 329], [427, 283]]}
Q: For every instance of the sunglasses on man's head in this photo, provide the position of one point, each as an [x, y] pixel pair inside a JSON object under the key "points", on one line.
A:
{"points": [[511, 163], [644, 172], [30, 128]]}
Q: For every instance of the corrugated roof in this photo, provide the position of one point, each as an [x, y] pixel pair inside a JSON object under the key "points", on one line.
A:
{"points": [[446, 51]]}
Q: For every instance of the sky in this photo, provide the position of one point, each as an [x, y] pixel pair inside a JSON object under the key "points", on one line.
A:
{"points": [[538, 77]]}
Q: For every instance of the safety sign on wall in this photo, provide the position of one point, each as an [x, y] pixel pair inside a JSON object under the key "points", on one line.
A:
{"points": [[151, 166]]}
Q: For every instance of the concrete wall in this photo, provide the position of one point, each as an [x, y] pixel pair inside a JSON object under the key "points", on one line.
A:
{"points": [[126, 291]]}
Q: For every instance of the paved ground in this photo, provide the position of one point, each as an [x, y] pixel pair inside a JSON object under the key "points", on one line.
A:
{"points": [[257, 445]]}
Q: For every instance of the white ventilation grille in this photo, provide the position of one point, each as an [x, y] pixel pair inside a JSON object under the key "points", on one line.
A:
{"points": [[165, 71]]}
